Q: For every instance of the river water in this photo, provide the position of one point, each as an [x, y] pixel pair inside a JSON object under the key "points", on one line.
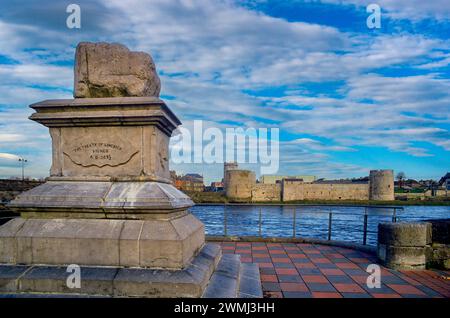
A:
{"points": [[310, 221]]}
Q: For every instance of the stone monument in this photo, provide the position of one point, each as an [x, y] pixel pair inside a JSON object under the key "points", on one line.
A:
{"points": [[109, 205]]}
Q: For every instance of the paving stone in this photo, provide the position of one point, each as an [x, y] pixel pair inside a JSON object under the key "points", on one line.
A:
{"points": [[288, 294], [320, 287], [339, 279], [356, 295]]}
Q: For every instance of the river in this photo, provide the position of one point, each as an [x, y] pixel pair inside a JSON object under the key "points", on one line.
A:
{"points": [[310, 221]]}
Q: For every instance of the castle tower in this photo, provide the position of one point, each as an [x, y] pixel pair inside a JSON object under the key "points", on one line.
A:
{"points": [[240, 184], [228, 166], [381, 185]]}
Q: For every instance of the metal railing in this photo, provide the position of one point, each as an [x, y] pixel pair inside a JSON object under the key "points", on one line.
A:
{"points": [[295, 209]]}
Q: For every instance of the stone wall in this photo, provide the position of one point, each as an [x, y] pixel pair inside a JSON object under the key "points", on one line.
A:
{"points": [[295, 190], [266, 192]]}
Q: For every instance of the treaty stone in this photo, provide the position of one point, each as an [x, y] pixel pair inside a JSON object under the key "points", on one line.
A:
{"points": [[112, 70]]}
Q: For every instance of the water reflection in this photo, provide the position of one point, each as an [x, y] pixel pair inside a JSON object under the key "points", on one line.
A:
{"points": [[309, 221]]}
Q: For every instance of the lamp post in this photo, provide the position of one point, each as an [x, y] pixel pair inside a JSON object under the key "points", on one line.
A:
{"points": [[23, 160]]}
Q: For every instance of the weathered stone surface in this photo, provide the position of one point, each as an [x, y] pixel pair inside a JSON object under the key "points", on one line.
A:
{"points": [[250, 281], [224, 282], [438, 256], [8, 253], [404, 234], [397, 257], [124, 200], [111, 70], [9, 277], [45, 281], [53, 279], [189, 282], [169, 244], [69, 241], [123, 138]]}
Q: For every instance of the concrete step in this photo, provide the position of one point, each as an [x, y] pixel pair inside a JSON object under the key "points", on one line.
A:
{"points": [[250, 281], [225, 282]]}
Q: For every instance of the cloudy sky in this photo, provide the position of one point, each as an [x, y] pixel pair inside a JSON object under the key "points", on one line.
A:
{"points": [[346, 98]]}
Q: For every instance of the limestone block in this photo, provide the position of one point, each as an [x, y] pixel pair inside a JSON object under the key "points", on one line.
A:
{"points": [[170, 244], [188, 282], [9, 277], [404, 234], [165, 243], [402, 257], [53, 279], [69, 241], [124, 200], [111, 70], [129, 243], [7, 240]]}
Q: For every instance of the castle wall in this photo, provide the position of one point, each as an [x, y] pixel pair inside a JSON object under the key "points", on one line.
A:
{"points": [[297, 190], [266, 192]]}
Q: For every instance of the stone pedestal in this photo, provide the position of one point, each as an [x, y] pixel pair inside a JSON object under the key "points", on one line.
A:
{"points": [[109, 205], [108, 201]]}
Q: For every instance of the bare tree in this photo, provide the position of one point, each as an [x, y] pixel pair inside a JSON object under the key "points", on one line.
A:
{"points": [[400, 177]]}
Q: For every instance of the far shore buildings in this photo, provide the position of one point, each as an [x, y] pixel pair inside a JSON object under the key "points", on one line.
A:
{"points": [[191, 182]]}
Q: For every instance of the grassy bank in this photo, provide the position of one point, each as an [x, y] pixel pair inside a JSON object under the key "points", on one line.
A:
{"points": [[219, 198]]}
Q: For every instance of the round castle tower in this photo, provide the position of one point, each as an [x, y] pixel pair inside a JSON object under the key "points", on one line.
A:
{"points": [[228, 166], [240, 184], [381, 185]]}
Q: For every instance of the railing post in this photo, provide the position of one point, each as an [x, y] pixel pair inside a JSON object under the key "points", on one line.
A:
{"points": [[225, 230], [330, 217], [394, 215], [365, 227], [294, 225], [260, 222]]}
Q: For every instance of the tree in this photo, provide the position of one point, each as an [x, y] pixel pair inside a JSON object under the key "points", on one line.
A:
{"points": [[400, 177]]}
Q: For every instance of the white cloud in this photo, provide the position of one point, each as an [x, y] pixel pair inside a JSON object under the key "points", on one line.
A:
{"points": [[209, 52]]}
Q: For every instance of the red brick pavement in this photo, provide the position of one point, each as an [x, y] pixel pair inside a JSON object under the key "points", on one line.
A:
{"points": [[308, 270]]}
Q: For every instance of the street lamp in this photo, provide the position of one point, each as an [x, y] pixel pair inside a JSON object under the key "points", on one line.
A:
{"points": [[23, 160]]}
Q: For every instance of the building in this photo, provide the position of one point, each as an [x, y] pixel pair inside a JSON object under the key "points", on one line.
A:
{"points": [[271, 179], [216, 186], [191, 182]]}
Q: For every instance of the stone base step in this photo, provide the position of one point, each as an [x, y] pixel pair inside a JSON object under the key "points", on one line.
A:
{"points": [[250, 281], [234, 279], [49, 281]]}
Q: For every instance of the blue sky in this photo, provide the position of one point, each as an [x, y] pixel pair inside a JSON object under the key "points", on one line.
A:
{"points": [[345, 98]]}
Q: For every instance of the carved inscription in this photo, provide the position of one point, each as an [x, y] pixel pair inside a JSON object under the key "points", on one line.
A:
{"points": [[100, 153]]}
